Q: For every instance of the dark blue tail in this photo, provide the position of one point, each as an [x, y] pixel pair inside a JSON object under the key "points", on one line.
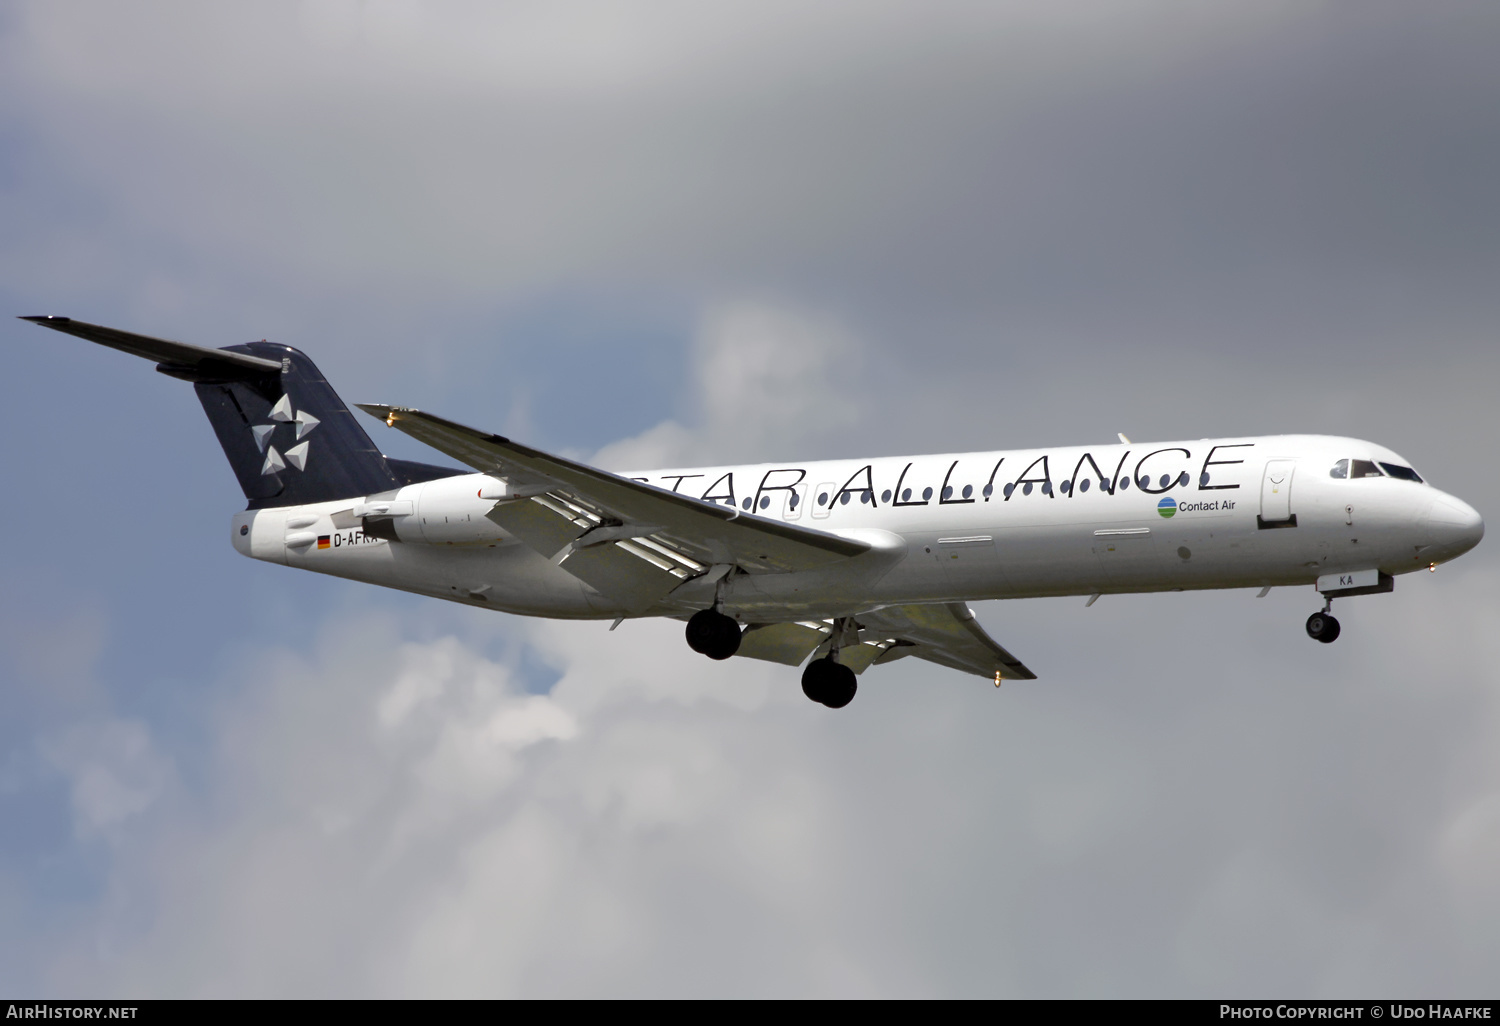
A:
{"points": [[288, 436], [291, 439]]}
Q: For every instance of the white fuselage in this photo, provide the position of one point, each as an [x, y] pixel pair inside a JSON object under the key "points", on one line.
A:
{"points": [[1243, 512]]}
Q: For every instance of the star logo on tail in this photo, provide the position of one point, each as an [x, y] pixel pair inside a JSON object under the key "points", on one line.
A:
{"points": [[296, 456]]}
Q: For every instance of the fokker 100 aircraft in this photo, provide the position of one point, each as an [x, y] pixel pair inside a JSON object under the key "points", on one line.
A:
{"points": [[850, 562]]}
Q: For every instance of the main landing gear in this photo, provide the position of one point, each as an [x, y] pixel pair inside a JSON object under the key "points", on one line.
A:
{"points": [[713, 634], [829, 682], [824, 680], [1321, 626]]}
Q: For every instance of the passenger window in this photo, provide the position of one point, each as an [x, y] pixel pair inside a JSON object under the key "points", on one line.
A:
{"points": [[1364, 468], [1398, 471], [823, 503], [1340, 470]]}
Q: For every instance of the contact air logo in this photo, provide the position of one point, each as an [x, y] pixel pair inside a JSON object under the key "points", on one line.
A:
{"points": [[1167, 507]]}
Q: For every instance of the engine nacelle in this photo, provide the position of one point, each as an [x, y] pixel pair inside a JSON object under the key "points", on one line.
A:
{"points": [[449, 511]]}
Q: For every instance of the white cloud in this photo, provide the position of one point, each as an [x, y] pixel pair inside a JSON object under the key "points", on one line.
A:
{"points": [[114, 771], [395, 816], [765, 378]]}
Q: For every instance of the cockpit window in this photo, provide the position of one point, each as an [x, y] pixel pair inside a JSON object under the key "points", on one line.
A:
{"points": [[1398, 471], [1364, 468], [1340, 469]]}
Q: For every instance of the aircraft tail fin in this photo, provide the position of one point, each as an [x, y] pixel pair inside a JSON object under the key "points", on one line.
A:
{"points": [[288, 436]]}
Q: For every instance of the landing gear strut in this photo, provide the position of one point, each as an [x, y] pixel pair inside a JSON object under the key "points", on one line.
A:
{"points": [[713, 634], [1321, 626], [829, 682]]}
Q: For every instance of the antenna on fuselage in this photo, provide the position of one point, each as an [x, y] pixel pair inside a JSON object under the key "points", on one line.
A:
{"points": [[1123, 438]]}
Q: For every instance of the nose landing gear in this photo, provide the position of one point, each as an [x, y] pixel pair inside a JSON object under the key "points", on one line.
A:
{"points": [[1321, 626]]}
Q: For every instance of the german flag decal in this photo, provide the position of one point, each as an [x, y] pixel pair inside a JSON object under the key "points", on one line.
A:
{"points": [[322, 541]]}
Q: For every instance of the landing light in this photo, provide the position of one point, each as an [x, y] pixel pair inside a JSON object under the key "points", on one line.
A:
{"points": [[1432, 568], [390, 419], [997, 678]]}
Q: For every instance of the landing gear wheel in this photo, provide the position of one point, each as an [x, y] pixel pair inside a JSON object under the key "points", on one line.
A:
{"points": [[1322, 627], [713, 634], [816, 678], [833, 684], [845, 686]]}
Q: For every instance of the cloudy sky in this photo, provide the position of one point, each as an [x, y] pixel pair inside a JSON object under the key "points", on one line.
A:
{"points": [[664, 232]]}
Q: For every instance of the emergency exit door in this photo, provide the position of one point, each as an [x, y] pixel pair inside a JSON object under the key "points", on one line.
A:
{"points": [[1276, 495]]}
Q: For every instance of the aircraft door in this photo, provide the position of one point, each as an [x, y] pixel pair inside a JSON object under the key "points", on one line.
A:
{"points": [[1276, 495]]}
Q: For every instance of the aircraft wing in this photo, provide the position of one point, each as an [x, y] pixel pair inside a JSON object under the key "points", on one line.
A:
{"points": [[632, 541], [945, 634]]}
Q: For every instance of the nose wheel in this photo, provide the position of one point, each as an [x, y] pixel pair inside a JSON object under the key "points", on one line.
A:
{"points": [[829, 682], [1322, 627]]}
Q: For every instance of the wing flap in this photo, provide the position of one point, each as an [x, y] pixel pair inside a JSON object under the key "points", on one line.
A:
{"points": [[626, 576], [538, 525], [862, 656], [946, 634], [785, 643]]}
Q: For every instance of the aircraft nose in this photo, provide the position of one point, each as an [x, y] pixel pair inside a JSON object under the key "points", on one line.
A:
{"points": [[1456, 525]]}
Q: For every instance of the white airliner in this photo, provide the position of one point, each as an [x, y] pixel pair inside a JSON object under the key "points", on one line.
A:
{"points": [[849, 562]]}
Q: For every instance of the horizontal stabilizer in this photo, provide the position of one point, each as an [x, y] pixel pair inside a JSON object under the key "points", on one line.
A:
{"points": [[180, 360], [287, 435]]}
